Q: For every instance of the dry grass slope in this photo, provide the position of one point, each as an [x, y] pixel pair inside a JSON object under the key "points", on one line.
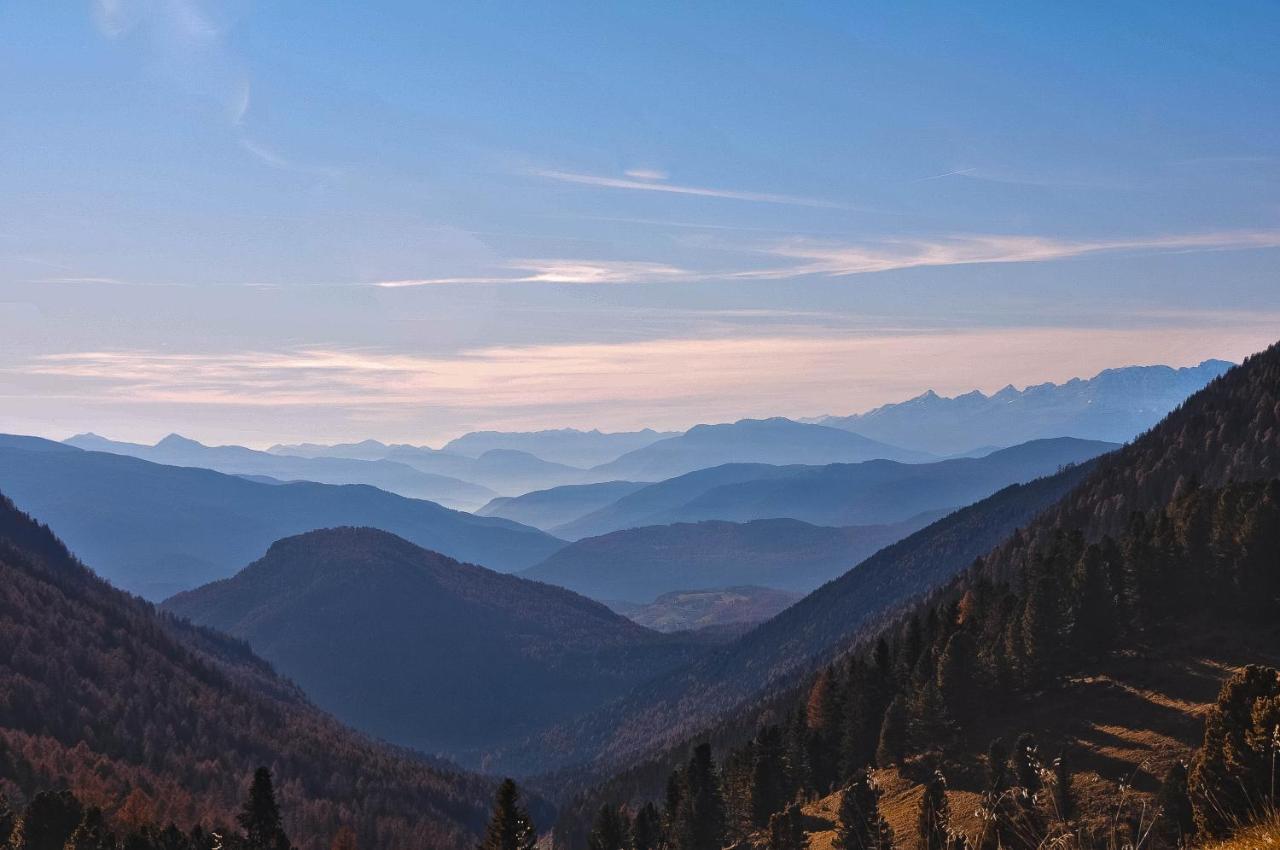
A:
{"points": [[1126, 722]]}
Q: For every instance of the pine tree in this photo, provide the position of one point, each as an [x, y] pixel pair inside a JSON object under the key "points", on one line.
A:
{"points": [[700, 818], [768, 792], [934, 819], [671, 810], [260, 816], [860, 825], [822, 712], [893, 734], [786, 829], [1232, 776], [958, 677], [48, 821], [799, 774], [646, 831], [510, 827], [1095, 623], [610, 831], [1041, 623]]}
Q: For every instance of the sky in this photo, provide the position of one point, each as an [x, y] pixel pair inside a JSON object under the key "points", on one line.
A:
{"points": [[258, 222]]}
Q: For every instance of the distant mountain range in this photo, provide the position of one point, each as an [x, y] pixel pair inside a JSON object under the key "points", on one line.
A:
{"points": [[155, 529], [636, 565], [176, 450], [873, 492], [773, 441], [568, 446], [424, 651], [729, 607], [557, 506], [1115, 405], [497, 470], [682, 702], [106, 696]]}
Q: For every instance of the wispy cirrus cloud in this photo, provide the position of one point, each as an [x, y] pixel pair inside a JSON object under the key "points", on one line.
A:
{"points": [[842, 260], [561, 271], [653, 183], [813, 258]]}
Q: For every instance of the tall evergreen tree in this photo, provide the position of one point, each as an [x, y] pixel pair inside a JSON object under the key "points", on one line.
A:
{"points": [[958, 677], [1041, 621], [646, 830], [1094, 626], [700, 819], [768, 793], [510, 827], [671, 809], [1232, 775], [260, 816], [934, 818], [610, 831], [893, 734], [860, 825]]}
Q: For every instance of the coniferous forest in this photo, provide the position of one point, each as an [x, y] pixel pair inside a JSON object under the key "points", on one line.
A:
{"points": [[1084, 587]]}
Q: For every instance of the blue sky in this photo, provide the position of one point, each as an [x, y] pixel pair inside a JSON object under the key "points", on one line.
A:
{"points": [[264, 221]]}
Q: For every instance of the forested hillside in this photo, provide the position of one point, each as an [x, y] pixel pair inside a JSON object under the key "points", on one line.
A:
{"points": [[425, 651], [1175, 537], [126, 707]]}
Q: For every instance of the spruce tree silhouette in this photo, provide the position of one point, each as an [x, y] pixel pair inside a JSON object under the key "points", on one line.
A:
{"points": [[510, 828], [260, 817]]}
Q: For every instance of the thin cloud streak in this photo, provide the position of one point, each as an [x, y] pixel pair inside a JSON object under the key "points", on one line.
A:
{"points": [[675, 189], [825, 259], [561, 271], [834, 260]]}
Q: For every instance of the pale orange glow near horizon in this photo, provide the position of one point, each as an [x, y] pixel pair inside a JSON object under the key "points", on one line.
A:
{"points": [[350, 394]]}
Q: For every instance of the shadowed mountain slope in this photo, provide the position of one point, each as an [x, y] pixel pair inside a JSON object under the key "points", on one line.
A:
{"points": [[546, 509], [425, 651], [639, 564]]}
